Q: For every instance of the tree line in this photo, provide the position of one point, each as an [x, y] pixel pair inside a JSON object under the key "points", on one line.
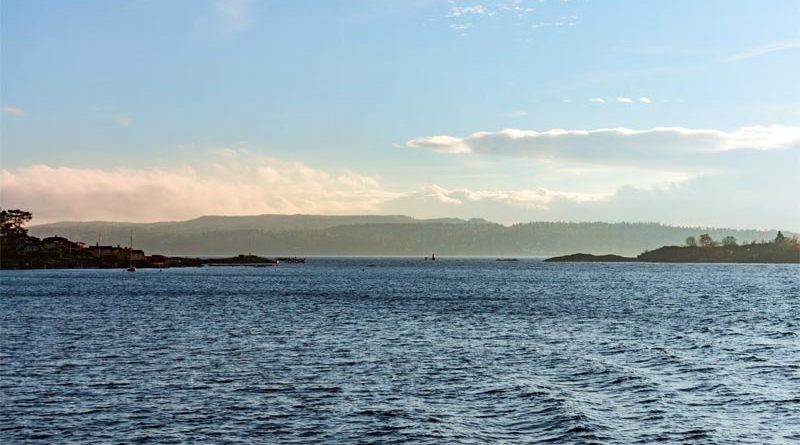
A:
{"points": [[705, 240]]}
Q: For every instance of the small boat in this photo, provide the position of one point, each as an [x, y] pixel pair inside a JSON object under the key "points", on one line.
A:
{"points": [[131, 267]]}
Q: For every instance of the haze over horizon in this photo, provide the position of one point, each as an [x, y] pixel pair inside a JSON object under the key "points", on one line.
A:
{"points": [[39, 225], [683, 113]]}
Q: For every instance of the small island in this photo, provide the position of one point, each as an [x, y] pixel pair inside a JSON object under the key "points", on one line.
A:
{"points": [[706, 250], [589, 258]]}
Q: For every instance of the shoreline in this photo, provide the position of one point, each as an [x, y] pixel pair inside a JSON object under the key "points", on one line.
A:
{"points": [[763, 253]]}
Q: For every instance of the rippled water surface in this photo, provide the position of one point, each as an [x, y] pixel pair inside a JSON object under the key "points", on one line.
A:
{"points": [[456, 351]]}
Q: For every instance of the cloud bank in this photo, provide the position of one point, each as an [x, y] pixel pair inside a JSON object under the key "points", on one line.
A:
{"points": [[235, 183], [613, 146], [768, 199], [751, 189]]}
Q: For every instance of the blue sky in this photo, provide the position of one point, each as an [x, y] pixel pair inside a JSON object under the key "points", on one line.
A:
{"points": [[151, 110]]}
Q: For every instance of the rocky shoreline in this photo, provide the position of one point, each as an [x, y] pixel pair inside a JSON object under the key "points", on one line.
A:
{"points": [[780, 251], [150, 262]]}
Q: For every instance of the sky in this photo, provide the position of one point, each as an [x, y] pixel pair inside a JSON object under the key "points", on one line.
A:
{"points": [[681, 112]]}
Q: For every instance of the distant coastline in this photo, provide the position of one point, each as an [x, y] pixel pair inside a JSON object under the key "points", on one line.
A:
{"points": [[386, 235], [19, 250], [779, 250], [367, 236]]}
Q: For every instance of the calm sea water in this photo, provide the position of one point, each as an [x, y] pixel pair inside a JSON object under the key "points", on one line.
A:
{"points": [[456, 351]]}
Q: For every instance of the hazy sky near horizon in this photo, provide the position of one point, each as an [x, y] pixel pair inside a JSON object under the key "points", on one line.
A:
{"points": [[681, 112]]}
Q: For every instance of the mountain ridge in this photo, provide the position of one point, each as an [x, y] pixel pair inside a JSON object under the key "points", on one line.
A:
{"points": [[233, 222], [384, 235]]}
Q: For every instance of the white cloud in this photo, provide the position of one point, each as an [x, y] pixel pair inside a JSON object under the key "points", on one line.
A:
{"points": [[645, 100], [441, 144], [16, 111], [517, 113], [625, 100], [236, 183], [614, 146], [459, 11], [514, 9], [763, 50], [597, 100], [517, 7], [571, 20], [123, 120]]}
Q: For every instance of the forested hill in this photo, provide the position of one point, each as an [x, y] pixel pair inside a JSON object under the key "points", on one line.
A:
{"points": [[384, 235]]}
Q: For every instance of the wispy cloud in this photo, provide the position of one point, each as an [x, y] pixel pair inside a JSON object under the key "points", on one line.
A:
{"points": [[517, 7], [459, 11], [16, 111], [622, 100], [461, 26], [645, 49], [517, 113], [763, 50], [125, 121], [236, 15], [518, 11], [227, 152], [571, 20], [538, 198]]}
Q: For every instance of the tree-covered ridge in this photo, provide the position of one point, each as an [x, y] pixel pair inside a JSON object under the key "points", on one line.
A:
{"points": [[385, 235], [705, 249]]}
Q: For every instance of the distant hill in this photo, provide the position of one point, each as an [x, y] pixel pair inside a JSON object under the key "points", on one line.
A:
{"points": [[384, 235]]}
